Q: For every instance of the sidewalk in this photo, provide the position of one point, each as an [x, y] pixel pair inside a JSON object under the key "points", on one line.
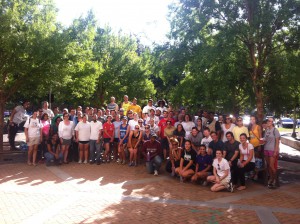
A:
{"points": [[111, 193]]}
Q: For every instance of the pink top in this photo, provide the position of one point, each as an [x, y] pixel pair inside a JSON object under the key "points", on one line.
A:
{"points": [[46, 127]]}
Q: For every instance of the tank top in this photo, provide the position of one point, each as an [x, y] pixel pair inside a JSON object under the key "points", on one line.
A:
{"points": [[254, 137], [125, 107], [111, 106], [123, 131]]}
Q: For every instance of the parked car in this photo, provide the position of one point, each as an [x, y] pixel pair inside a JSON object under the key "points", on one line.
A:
{"points": [[286, 122]]}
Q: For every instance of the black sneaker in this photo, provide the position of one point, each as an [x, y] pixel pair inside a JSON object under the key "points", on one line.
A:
{"points": [[98, 162], [270, 186], [230, 187]]}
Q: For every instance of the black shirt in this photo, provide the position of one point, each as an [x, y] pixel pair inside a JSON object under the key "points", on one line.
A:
{"points": [[188, 155], [231, 149]]}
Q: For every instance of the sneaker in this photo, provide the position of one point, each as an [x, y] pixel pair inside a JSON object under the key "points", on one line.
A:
{"points": [[124, 162], [107, 161], [204, 184], [135, 163], [79, 161], [130, 164], [85, 162], [230, 187], [103, 161], [98, 162], [155, 173]]}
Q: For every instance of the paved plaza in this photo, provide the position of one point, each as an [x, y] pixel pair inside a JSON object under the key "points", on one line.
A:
{"points": [[111, 193]]}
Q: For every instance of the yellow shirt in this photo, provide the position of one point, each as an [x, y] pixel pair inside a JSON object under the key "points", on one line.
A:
{"points": [[237, 131], [125, 107], [135, 108], [254, 137]]}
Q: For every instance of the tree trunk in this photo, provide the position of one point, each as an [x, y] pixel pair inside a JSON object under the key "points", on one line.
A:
{"points": [[2, 109], [259, 103]]}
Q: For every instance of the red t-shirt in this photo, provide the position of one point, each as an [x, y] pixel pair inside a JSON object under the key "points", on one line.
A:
{"points": [[162, 124], [109, 129]]}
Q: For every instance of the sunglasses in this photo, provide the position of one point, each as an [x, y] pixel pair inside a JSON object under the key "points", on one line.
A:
{"points": [[219, 167], [147, 128], [136, 128]]}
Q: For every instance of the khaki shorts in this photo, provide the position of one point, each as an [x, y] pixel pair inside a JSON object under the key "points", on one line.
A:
{"points": [[33, 141], [225, 181]]}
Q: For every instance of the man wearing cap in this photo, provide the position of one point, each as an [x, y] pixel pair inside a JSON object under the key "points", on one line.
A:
{"points": [[152, 151], [146, 109]]}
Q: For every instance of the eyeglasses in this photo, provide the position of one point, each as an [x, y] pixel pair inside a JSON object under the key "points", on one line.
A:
{"points": [[136, 128], [147, 128]]}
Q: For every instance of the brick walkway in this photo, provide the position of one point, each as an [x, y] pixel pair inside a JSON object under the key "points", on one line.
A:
{"points": [[111, 193]]}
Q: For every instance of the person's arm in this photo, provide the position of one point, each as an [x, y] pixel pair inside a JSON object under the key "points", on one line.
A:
{"points": [[226, 172], [26, 134], [77, 136], [197, 167], [206, 169], [235, 155], [277, 138], [188, 165], [113, 134], [12, 116]]}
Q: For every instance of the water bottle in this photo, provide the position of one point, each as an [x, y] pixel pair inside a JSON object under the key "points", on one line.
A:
{"points": [[148, 157]]}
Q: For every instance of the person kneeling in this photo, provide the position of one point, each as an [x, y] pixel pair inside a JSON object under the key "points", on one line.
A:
{"points": [[221, 174], [151, 151], [188, 157], [203, 165]]}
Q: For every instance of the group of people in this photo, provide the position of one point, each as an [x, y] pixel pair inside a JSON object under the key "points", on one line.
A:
{"points": [[197, 149]]}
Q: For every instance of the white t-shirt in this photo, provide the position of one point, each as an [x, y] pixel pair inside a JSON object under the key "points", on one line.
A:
{"points": [[162, 109], [132, 124], [221, 167], [19, 115], [246, 152], [49, 112], [34, 127], [188, 127], [224, 139], [205, 141], [84, 131], [65, 131], [146, 109], [155, 118], [96, 127]]}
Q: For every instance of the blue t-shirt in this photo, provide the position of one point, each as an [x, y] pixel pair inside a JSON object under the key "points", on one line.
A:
{"points": [[203, 161]]}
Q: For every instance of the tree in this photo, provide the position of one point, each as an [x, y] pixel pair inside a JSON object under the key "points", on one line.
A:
{"points": [[257, 27], [31, 46]]}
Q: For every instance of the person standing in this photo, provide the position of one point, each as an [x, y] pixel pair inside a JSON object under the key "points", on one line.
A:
{"points": [[34, 136], [126, 103], [239, 129], [16, 118], [95, 140], [271, 150], [112, 105], [135, 108], [47, 110], [83, 133], [147, 108]]}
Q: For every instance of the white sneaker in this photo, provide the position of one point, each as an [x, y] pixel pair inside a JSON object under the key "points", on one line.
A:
{"points": [[79, 161], [85, 162], [204, 184], [155, 173]]}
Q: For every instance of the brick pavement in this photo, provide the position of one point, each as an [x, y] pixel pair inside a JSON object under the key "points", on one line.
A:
{"points": [[111, 193]]}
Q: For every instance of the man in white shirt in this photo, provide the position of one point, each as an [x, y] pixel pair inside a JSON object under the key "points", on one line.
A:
{"points": [[16, 118], [47, 110], [95, 140], [206, 139], [146, 109]]}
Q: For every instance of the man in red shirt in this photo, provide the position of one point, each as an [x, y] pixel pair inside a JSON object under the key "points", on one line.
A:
{"points": [[152, 151]]}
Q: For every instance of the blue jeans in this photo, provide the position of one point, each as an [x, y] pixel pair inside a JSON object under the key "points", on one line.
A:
{"points": [[95, 150], [50, 157], [154, 164]]}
